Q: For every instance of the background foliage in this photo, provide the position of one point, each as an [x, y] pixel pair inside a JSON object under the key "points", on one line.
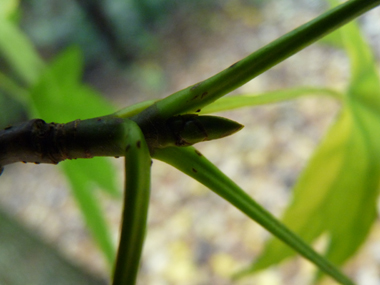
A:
{"points": [[54, 91]]}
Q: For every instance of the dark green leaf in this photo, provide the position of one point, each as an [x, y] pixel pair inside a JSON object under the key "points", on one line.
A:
{"points": [[60, 96]]}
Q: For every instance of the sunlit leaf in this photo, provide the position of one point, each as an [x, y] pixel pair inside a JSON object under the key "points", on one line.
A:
{"points": [[364, 98], [337, 192], [19, 53], [8, 8], [240, 101]]}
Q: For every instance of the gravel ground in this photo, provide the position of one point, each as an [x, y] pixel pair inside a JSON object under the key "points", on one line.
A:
{"points": [[194, 237]]}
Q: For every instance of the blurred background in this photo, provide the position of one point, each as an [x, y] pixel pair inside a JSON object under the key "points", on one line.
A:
{"points": [[137, 50]]}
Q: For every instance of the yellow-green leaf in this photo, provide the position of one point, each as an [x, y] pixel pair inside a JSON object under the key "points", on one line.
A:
{"points": [[240, 101], [337, 192], [19, 53]]}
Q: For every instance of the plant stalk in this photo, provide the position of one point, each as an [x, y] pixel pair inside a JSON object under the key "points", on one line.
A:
{"points": [[40, 142], [203, 93]]}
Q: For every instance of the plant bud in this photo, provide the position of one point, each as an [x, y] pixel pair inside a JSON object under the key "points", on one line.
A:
{"points": [[190, 129]]}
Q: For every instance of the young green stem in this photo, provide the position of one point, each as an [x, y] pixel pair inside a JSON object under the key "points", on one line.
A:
{"points": [[203, 93], [135, 212], [194, 164]]}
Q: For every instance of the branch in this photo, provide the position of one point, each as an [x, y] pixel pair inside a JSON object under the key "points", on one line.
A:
{"points": [[40, 142], [199, 95]]}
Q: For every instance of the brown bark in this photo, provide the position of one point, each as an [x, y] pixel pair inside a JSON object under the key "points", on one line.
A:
{"points": [[40, 142]]}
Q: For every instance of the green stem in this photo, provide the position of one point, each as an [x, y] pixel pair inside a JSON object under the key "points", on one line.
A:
{"points": [[194, 164], [135, 212], [201, 94]]}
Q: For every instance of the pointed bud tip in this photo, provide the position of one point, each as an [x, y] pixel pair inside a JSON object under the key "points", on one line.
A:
{"points": [[190, 129], [219, 127]]}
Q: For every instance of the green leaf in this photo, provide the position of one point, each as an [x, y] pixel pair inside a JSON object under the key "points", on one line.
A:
{"points": [[99, 171], [136, 203], [234, 102], [57, 95], [364, 85], [8, 9], [19, 53], [364, 99], [91, 210], [337, 192], [60, 96], [194, 164], [12, 88]]}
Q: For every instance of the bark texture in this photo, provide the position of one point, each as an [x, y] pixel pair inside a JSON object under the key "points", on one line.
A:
{"points": [[40, 142]]}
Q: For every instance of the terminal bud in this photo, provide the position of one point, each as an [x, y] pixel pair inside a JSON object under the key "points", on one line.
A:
{"points": [[190, 129]]}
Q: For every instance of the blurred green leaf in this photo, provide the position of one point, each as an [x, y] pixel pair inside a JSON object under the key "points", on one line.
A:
{"points": [[19, 52], [234, 102], [364, 99], [90, 208], [60, 96], [57, 95], [332, 40], [12, 88], [99, 171], [337, 192], [14, 111], [8, 8]]}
